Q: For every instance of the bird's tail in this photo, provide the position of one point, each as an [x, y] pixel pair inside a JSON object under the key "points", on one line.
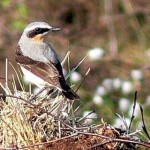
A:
{"points": [[67, 92], [70, 94]]}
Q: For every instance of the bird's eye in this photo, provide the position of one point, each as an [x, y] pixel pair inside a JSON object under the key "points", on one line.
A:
{"points": [[37, 29]]}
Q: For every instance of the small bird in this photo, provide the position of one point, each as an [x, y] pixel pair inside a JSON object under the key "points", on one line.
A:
{"points": [[39, 60]]}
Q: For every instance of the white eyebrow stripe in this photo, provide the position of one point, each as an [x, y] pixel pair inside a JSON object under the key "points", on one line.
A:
{"points": [[37, 26]]}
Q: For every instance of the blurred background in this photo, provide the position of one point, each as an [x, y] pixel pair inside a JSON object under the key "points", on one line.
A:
{"points": [[115, 37]]}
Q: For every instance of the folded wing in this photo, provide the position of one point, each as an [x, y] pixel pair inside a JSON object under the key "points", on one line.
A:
{"points": [[49, 72]]}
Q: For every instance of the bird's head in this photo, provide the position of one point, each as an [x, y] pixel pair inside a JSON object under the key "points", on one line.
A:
{"points": [[37, 31]]}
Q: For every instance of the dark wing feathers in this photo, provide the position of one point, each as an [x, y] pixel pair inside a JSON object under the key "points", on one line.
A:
{"points": [[49, 72]]}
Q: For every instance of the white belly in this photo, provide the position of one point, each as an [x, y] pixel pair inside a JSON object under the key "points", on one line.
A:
{"points": [[32, 78]]}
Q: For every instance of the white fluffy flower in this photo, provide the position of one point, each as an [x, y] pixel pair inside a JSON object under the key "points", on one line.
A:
{"points": [[98, 100], [139, 126], [148, 100], [90, 117], [127, 87], [136, 74], [117, 83], [95, 53], [75, 76], [37, 89], [108, 84], [123, 104], [136, 111], [119, 123], [101, 90]]}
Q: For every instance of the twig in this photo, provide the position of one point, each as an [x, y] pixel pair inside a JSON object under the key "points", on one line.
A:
{"points": [[39, 92], [94, 134], [144, 126], [8, 125], [145, 144], [20, 83], [44, 143], [83, 80], [124, 121], [77, 128], [134, 105], [6, 74], [76, 109], [85, 117], [66, 56], [133, 133], [75, 67], [28, 102]]}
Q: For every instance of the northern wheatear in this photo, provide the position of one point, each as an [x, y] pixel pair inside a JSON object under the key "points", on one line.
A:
{"points": [[38, 59]]}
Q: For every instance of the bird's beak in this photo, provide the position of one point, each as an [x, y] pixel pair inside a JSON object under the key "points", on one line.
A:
{"points": [[53, 29]]}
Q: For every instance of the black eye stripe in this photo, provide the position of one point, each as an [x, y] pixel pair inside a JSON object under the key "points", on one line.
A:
{"points": [[40, 30], [36, 31]]}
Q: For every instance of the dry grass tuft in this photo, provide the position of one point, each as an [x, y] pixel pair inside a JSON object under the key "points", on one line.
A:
{"points": [[24, 121]]}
